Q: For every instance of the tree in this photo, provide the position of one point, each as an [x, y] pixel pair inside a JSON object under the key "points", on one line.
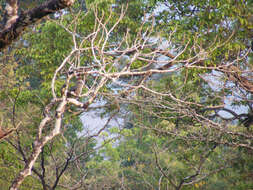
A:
{"points": [[15, 23], [75, 59]]}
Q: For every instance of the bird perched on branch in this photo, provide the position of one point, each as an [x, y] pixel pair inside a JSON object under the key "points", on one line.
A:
{"points": [[75, 90], [80, 75]]}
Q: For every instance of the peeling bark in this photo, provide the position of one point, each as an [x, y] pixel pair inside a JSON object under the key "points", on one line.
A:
{"points": [[11, 13], [15, 24]]}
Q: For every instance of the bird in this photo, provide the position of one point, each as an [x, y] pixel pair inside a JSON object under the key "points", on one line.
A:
{"points": [[75, 90]]}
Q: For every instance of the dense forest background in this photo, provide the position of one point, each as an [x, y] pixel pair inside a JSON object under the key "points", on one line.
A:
{"points": [[167, 87]]}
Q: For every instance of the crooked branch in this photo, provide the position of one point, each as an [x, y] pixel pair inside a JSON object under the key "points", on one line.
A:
{"points": [[15, 24]]}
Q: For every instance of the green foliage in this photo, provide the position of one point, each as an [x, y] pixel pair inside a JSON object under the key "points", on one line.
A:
{"points": [[179, 141]]}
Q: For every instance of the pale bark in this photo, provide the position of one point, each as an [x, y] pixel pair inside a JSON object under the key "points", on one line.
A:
{"points": [[39, 144]]}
